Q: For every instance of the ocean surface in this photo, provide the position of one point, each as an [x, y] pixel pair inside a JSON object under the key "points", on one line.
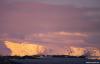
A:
{"points": [[55, 61]]}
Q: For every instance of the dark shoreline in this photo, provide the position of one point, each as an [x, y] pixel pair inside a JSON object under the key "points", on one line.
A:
{"points": [[49, 59]]}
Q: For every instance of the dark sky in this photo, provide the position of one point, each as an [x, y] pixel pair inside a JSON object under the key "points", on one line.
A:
{"points": [[87, 3], [21, 18]]}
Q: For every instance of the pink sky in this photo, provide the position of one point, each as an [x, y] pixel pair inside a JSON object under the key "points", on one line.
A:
{"points": [[22, 19]]}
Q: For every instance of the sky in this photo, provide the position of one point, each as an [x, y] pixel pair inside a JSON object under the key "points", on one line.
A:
{"points": [[88, 3], [51, 22]]}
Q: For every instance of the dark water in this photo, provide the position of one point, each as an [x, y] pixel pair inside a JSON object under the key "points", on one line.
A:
{"points": [[55, 61]]}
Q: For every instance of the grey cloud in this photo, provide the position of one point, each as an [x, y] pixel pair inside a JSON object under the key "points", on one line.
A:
{"points": [[63, 39], [43, 18], [78, 3], [94, 39], [50, 18], [3, 49], [59, 38]]}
